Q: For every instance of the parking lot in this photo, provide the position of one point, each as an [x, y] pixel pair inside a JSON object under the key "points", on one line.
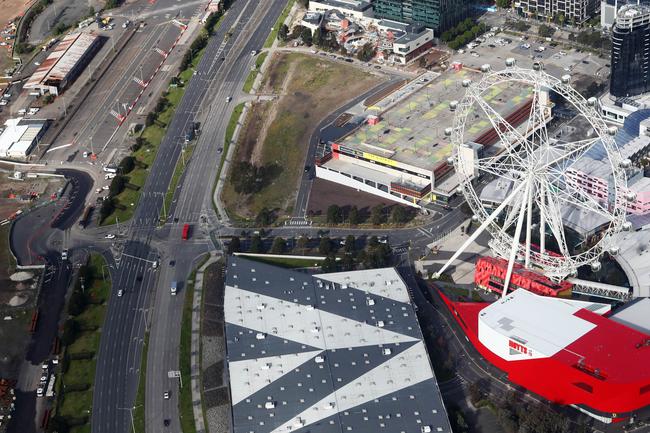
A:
{"points": [[558, 60]]}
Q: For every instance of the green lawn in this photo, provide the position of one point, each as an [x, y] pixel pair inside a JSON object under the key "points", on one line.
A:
{"points": [[80, 372], [250, 80], [274, 32], [76, 404], [287, 262]]}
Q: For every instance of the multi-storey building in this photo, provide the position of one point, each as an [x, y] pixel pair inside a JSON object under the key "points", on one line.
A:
{"points": [[438, 15], [630, 74], [573, 11]]}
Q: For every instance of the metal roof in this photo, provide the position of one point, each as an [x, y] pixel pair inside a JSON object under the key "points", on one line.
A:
{"points": [[326, 353], [63, 58], [635, 315]]}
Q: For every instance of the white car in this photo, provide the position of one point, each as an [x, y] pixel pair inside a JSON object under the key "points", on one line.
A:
{"points": [[166, 395], [85, 154], [106, 187], [253, 53], [45, 366], [39, 392], [110, 236], [120, 292], [3, 102], [229, 98], [44, 378]]}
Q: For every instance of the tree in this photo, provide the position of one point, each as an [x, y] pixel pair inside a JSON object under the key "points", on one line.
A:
{"points": [[504, 4], [117, 185], [398, 215], [306, 36], [377, 215], [325, 246], [304, 3], [256, 245], [234, 246], [347, 262], [296, 32], [301, 243], [279, 245], [70, 332], [353, 216], [334, 214], [545, 31], [127, 164], [317, 38], [366, 53], [283, 33], [108, 206], [350, 242], [329, 264], [264, 218], [150, 119]]}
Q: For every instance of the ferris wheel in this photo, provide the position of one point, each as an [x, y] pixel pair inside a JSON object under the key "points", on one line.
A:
{"points": [[540, 178]]}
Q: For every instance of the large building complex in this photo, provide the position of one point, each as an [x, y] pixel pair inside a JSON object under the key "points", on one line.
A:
{"points": [[326, 353], [565, 350], [573, 11], [400, 150], [64, 64], [438, 15]]}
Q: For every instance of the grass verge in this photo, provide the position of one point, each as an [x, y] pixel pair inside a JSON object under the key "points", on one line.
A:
{"points": [[276, 28], [250, 80], [185, 405]]}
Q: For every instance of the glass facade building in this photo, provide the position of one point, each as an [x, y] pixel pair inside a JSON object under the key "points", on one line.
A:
{"points": [[630, 74], [438, 15]]}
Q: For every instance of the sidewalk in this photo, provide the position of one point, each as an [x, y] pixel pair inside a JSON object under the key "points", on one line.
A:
{"points": [[195, 362]]}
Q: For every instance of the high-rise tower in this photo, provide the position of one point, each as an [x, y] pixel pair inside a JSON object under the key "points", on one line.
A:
{"points": [[630, 74], [438, 15]]}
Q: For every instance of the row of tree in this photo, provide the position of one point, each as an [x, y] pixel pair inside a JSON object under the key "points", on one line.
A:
{"points": [[465, 32], [379, 214], [375, 254]]}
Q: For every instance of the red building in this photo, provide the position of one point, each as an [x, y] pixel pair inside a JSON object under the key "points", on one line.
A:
{"points": [[563, 350], [490, 274]]}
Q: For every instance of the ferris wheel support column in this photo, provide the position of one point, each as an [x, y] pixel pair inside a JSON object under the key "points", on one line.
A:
{"points": [[542, 224], [515, 240], [481, 228], [529, 223]]}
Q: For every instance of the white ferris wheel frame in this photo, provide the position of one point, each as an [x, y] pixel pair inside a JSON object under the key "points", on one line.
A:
{"points": [[536, 185]]}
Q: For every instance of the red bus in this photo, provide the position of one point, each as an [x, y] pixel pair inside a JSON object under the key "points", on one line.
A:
{"points": [[186, 232]]}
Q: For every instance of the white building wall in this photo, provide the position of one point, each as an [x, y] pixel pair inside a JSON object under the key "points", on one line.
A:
{"points": [[350, 13], [500, 345], [333, 176]]}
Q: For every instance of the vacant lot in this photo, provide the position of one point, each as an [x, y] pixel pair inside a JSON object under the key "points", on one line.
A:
{"points": [[276, 134]]}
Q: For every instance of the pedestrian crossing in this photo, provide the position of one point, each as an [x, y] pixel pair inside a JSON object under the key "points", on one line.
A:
{"points": [[297, 222]]}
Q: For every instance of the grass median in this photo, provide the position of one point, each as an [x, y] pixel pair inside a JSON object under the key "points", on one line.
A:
{"points": [[138, 410], [185, 401], [276, 28], [250, 80]]}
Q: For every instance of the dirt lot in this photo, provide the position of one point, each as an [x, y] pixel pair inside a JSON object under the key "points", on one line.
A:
{"points": [[277, 133], [10, 10], [14, 194], [325, 193]]}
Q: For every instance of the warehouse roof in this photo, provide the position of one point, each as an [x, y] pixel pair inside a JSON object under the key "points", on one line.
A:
{"points": [[18, 136], [326, 353], [62, 59]]}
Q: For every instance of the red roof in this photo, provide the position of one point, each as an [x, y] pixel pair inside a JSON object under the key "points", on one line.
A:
{"points": [[605, 370]]}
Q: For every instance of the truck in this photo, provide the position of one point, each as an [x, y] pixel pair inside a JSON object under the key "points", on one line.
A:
{"points": [[186, 232], [50, 386], [85, 217], [174, 288]]}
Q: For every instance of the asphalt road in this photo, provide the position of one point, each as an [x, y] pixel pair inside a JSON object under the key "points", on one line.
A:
{"points": [[192, 204], [127, 317]]}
